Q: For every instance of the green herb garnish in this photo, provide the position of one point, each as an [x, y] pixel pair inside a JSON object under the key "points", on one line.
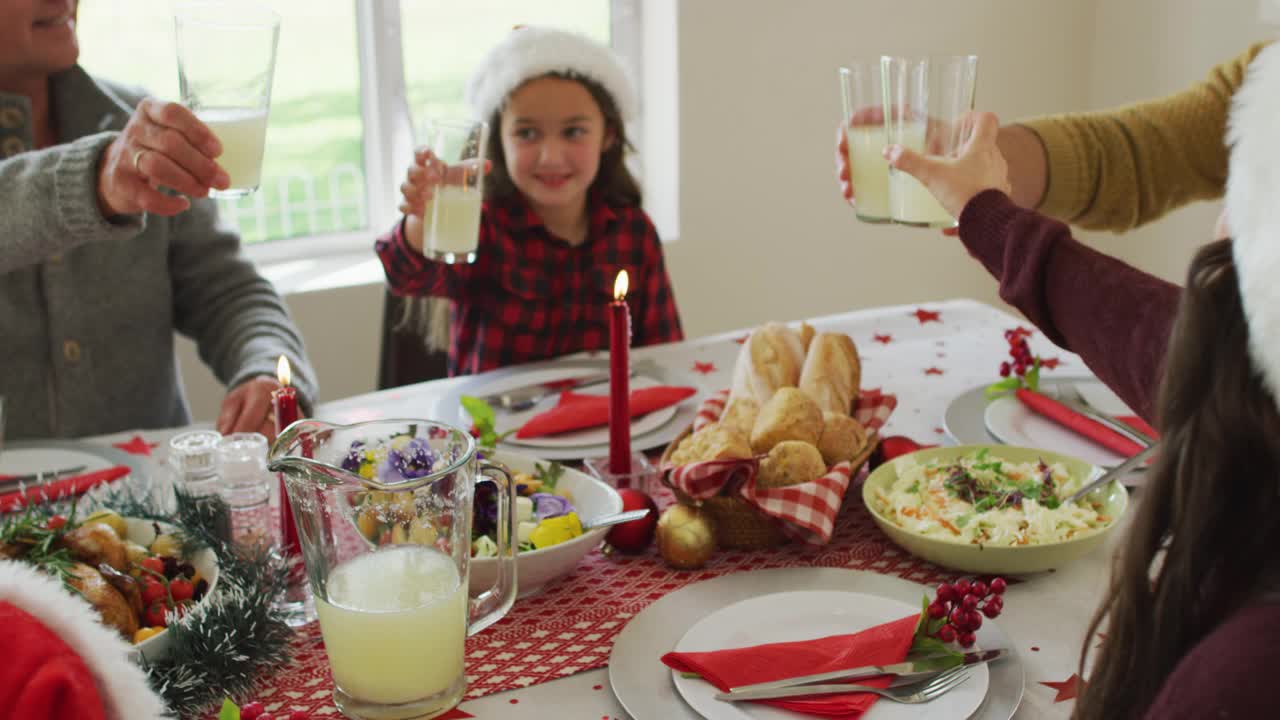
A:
{"points": [[483, 420]]}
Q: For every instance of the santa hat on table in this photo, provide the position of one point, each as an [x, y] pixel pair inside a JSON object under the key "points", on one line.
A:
{"points": [[60, 662], [1253, 208], [531, 51]]}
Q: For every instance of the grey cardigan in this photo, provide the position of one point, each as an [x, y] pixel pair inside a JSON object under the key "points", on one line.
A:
{"points": [[88, 307]]}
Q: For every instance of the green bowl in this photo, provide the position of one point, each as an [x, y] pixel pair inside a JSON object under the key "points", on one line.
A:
{"points": [[995, 559]]}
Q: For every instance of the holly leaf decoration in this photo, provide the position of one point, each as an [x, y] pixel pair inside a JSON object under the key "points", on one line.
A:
{"points": [[229, 711], [1006, 385], [484, 419], [924, 646]]}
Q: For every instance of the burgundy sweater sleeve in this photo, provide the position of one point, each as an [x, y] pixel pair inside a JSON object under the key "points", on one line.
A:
{"points": [[1114, 316], [409, 273], [1223, 675]]}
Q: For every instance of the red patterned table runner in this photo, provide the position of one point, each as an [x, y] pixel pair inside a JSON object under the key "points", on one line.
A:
{"points": [[570, 626]]}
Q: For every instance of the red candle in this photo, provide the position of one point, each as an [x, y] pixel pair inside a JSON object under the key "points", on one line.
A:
{"points": [[285, 402], [619, 379]]}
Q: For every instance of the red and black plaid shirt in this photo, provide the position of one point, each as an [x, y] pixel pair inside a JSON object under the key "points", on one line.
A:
{"points": [[531, 296]]}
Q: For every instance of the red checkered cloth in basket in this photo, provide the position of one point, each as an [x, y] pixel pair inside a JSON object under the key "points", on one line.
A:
{"points": [[807, 510]]}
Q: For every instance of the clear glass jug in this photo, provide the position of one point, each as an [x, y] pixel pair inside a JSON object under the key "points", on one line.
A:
{"points": [[384, 514]]}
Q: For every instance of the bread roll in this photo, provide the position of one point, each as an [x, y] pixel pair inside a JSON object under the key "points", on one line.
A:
{"points": [[789, 463], [832, 372], [740, 416], [712, 442], [770, 359], [789, 415], [842, 438]]}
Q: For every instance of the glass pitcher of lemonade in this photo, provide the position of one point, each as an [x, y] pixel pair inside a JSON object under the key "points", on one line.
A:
{"points": [[384, 513]]}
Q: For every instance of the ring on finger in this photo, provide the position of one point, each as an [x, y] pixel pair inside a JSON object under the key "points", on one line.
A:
{"points": [[137, 160]]}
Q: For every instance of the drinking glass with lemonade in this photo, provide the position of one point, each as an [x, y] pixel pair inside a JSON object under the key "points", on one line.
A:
{"points": [[226, 61], [393, 605], [451, 221], [926, 100], [860, 90]]}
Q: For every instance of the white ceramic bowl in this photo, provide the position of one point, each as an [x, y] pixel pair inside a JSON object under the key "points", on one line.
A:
{"points": [[205, 562], [535, 568]]}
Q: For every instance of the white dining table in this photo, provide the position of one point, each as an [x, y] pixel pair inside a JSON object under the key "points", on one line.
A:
{"points": [[927, 355]]}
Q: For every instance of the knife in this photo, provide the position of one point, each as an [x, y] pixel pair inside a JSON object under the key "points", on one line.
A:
{"points": [[916, 668], [1102, 418], [8, 482], [518, 399]]}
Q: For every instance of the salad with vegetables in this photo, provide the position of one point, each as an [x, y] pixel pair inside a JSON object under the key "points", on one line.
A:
{"points": [[545, 515], [983, 500]]}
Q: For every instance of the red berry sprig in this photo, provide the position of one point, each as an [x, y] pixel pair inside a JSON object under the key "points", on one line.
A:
{"points": [[955, 614], [1019, 353]]}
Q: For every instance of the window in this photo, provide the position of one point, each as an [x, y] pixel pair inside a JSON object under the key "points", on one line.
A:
{"points": [[347, 71]]}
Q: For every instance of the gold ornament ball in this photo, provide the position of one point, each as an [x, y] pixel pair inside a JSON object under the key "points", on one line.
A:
{"points": [[686, 537]]}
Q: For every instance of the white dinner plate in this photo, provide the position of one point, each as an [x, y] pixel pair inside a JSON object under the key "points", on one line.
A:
{"points": [[1013, 423], [973, 419], [806, 615], [648, 431], [644, 687], [32, 456]]}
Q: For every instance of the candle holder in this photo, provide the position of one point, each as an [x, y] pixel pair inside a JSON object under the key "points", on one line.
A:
{"points": [[644, 475]]}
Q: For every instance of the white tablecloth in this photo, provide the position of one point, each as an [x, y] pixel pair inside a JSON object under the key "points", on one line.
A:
{"points": [[926, 355]]}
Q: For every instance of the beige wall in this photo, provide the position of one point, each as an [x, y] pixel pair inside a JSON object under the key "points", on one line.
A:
{"points": [[764, 233], [1149, 48]]}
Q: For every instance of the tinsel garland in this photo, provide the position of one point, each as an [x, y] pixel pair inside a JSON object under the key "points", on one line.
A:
{"points": [[236, 634]]}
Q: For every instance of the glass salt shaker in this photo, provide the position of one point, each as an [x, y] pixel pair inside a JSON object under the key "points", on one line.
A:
{"points": [[246, 485], [193, 457]]}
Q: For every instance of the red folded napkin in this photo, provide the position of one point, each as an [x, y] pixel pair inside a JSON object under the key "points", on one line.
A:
{"points": [[880, 645], [577, 410], [66, 487], [1078, 423]]}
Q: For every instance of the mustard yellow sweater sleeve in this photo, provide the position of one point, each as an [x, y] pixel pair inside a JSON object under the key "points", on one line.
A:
{"points": [[1120, 168]]}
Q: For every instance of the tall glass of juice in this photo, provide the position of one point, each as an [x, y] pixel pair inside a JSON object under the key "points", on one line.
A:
{"points": [[860, 90], [926, 100], [451, 222], [226, 62]]}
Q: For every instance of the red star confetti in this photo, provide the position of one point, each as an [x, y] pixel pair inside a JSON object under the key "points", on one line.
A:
{"points": [[884, 339], [455, 714], [940, 431], [706, 368], [1067, 689], [925, 316], [136, 446], [741, 340], [934, 371], [1101, 637], [1050, 363]]}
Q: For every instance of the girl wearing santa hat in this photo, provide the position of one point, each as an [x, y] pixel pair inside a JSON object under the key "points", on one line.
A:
{"points": [[561, 214], [1192, 616]]}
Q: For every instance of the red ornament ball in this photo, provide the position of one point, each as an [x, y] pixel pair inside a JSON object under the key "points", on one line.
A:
{"points": [[634, 536]]}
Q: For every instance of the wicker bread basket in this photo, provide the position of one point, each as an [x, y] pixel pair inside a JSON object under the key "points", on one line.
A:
{"points": [[738, 524]]}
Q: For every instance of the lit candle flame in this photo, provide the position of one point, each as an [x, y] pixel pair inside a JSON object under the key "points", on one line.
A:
{"points": [[620, 286], [282, 371]]}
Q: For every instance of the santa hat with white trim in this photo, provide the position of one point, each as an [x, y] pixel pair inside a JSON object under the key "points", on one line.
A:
{"points": [[530, 51], [60, 662], [1253, 208]]}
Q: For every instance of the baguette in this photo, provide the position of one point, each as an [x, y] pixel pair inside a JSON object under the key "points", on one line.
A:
{"points": [[769, 361], [832, 372]]}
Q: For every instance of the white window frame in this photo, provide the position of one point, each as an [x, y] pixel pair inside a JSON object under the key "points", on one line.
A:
{"points": [[388, 133]]}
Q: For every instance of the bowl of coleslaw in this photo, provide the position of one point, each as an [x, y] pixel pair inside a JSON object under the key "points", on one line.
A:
{"points": [[992, 508]]}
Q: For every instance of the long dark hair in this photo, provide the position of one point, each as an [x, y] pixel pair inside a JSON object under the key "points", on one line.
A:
{"points": [[613, 183], [1210, 512]]}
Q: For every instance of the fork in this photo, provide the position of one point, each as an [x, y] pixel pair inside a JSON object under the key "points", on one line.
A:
{"points": [[1068, 394], [913, 694]]}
